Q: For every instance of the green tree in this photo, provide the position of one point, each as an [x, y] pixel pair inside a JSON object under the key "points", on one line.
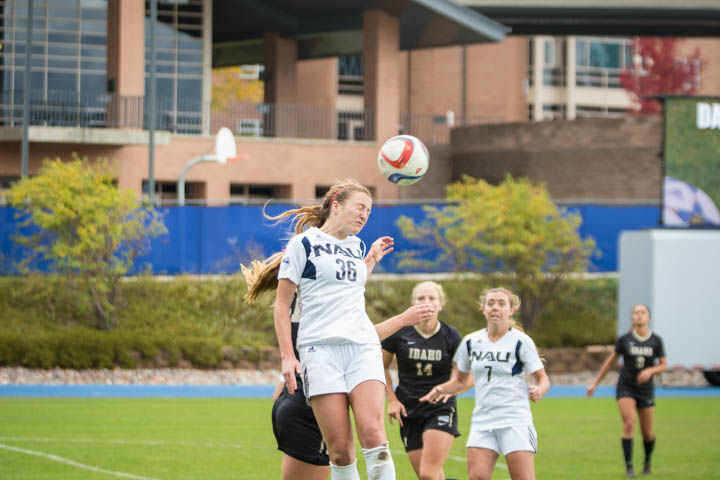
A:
{"points": [[513, 233], [90, 232]]}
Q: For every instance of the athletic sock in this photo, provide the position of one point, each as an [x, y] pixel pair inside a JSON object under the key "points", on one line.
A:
{"points": [[379, 463], [649, 446], [347, 472], [627, 446]]}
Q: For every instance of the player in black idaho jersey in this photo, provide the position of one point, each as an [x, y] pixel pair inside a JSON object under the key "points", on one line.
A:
{"points": [[643, 356], [424, 355]]}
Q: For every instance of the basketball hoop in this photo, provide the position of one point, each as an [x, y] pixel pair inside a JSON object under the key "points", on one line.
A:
{"points": [[225, 152]]}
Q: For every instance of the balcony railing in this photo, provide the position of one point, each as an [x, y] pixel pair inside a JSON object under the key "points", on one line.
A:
{"points": [[69, 109], [294, 121]]}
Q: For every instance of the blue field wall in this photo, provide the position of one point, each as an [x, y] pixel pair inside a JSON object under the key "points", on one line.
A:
{"points": [[211, 240]]}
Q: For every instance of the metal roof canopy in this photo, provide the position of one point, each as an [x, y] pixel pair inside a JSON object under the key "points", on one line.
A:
{"points": [[667, 18], [326, 28]]}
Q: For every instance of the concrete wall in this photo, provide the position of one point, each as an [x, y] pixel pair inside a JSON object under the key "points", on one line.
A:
{"points": [[594, 159]]}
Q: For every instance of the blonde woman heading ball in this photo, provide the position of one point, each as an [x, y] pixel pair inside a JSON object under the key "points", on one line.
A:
{"points": [[340, 359]]}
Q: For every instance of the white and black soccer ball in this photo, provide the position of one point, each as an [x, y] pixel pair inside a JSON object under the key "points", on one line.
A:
{"points": [[403, 159]]}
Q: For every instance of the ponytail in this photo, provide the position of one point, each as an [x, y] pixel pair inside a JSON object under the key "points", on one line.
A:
{"points": [[262, 275]]}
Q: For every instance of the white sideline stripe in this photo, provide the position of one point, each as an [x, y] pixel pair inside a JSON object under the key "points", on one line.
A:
{"points": [[124, 442], [73, 463], [152, 442]]}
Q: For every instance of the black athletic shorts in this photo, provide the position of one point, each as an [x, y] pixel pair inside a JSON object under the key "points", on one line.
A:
{"points": [[443, 419], [644, 396], [296, 431]]}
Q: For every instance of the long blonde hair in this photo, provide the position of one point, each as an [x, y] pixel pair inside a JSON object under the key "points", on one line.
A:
{"points": [[514, 303], [261, 275]]}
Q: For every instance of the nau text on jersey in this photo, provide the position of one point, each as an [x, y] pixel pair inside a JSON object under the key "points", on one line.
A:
{"points": [[490, 356], [334, 250], [644, 351], [424, 354]]}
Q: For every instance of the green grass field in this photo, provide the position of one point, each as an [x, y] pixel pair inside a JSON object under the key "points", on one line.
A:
{"points": [[204, 439]]}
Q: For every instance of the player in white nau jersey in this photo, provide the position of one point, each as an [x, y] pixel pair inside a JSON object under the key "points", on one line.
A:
{"points": [[338, 345], [499, 357]]}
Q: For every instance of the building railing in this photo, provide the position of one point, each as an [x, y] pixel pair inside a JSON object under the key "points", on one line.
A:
{"points": [[70, 109], [294, 121]]}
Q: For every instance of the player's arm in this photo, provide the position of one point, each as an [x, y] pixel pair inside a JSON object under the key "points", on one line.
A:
{"points": [[412, 316], [609, 362], [283, 300], [379, 248], [645, 374], [456, 384], [467, 386], [396, 409], [541, 387], [278, 390]]}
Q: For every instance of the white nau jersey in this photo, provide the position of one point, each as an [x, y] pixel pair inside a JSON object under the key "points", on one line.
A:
{"points": [[499, 369], [330, 275]]}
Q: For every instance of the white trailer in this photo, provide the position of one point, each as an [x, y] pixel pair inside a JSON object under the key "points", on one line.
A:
{"points": [[676, 273]]}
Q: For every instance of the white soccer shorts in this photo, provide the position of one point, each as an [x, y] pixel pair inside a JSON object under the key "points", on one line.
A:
{"points": [[505, 440], [339, 368]]}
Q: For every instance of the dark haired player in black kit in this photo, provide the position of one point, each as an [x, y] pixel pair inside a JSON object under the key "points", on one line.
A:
{"points": [[640, 349], [297, 433], [425, 358]]}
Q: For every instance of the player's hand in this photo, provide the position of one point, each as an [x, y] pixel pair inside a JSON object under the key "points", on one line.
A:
{"points": [[644, 376], [418, 314], [590, 390], [290, 367], [433, 395], [444, 398], [396, 410], [534, 393], [380, 247]]}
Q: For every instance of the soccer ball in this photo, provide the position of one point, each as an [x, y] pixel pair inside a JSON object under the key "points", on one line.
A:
{"points": [[403, 159]]}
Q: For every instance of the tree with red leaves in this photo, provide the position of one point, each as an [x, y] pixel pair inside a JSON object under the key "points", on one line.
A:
{"points": [[659, 70]]}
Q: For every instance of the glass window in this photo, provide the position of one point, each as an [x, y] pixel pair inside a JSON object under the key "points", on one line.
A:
{"points": [[189, 69], [178, 43], [94, 39], [190, 89], [190, 57], [62, 81], [88, 51], [65, 50], [164, 56], [581, 53], [94, 14], [88, 65], [604, 55], [70, 25], [63, 62], [62, 12], [91, 26], [37, 81], [92, 83], [549, 47], [54, 37], [628, 56]]}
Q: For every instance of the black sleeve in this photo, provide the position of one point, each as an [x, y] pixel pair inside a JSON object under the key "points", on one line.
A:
{"points": [[619, 346], [661, 348], [390, 343]]}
